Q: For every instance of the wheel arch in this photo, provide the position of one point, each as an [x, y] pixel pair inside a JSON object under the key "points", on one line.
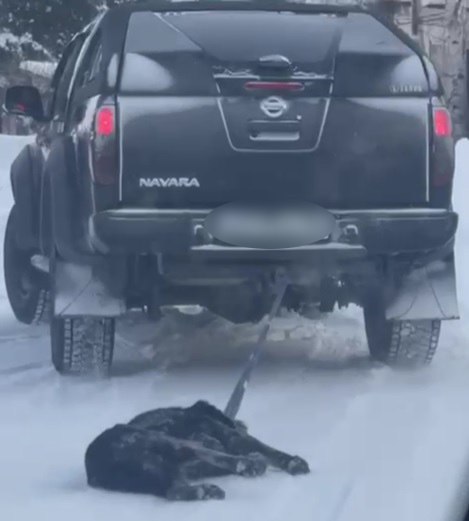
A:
{"points": [[62, 219], [25, 178]]}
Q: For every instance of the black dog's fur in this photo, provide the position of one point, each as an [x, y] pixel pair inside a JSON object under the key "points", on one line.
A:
{"points": [[160, 452]]}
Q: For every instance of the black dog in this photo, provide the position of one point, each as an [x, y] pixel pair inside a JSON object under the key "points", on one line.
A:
{"points": [[160, 452]]}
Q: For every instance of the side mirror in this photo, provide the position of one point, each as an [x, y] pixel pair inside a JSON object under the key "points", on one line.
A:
{"points": [[24, 101]]}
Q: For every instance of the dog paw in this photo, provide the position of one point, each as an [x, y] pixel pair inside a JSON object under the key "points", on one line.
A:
{"points": [[206, 492], [252, 466], [297, 466], [185, 492]]}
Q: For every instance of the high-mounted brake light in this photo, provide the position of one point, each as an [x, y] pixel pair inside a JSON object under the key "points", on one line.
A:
{"points": [[284, 86], [105, 122], [442, 122]]}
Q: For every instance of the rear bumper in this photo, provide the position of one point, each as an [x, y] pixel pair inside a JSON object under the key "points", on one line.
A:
{"points": [[359, 233]]}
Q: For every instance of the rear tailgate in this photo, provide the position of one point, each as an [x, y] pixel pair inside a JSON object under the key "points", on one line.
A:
{"points": [[217, 106]]}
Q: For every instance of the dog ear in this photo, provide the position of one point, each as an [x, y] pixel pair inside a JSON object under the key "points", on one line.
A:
{"points": [[241, 426]]}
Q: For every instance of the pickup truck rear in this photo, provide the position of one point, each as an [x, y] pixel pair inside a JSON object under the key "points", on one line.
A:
{"points": [[194, 148]]}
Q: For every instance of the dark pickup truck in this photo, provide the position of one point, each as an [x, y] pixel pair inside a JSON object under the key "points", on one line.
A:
{"points": [[190, 150]]}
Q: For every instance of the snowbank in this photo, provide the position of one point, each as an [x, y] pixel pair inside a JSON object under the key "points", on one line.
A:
{"points": [[16, 44], [10, 147], [39, 68]]}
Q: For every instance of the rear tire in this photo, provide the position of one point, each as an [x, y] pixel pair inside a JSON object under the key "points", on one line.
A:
{"points": [[27, 287], [400, 343], [82, 345]]}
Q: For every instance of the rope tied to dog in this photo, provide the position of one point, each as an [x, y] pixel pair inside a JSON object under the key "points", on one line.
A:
{"points": [[236, 398]]}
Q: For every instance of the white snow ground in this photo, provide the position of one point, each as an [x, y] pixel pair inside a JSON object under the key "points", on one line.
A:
{"points": [[382, 445]]}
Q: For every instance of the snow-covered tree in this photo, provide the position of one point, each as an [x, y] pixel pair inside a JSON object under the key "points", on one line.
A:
{"points": [[46, 24], [33, 34]]}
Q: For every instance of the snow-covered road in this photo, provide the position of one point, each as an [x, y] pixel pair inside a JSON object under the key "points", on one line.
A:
{"points": [[382, 445]]}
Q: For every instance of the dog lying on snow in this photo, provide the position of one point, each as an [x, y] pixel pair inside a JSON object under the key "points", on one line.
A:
{"points": [[162, 451]]}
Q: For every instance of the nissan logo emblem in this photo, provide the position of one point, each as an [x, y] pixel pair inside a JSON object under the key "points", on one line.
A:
{"points": [[274, 107]]}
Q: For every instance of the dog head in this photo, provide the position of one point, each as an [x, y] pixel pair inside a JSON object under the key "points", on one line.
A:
{"points": [[204, 408]]}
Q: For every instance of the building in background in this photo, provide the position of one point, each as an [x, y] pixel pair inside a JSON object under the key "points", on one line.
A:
{"points": [[441, 27]]}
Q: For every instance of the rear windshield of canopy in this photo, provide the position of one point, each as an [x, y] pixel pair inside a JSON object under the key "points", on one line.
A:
{"points": [[161, 47], [178, 53]]}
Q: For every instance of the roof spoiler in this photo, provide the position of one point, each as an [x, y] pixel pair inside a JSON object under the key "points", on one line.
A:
{"points": [[300, 6]]}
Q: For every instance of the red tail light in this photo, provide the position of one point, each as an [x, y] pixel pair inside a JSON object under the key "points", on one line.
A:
{"points": [[105, 157], [105, 121], [284, 86], [442, 122], [442, 155]]}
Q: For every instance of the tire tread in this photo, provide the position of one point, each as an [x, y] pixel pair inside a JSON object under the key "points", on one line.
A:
{"points": [[413, 342], [83, 345]]}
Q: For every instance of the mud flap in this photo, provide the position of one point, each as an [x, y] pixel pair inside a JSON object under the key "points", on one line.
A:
{"points": [[79, 291], [427, 293]]}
